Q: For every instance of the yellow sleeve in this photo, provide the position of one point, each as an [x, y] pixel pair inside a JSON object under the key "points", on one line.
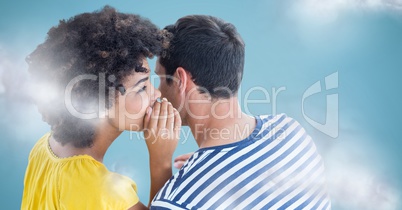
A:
{"points": [[87, 184]]}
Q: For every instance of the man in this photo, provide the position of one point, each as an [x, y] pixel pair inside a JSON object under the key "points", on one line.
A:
{"points": [[244, 162]]}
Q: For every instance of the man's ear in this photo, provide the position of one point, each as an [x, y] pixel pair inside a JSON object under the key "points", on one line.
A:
{"points": [[183, 77]]}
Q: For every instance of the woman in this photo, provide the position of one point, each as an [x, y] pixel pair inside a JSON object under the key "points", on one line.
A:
{"points": [[93, 83]]}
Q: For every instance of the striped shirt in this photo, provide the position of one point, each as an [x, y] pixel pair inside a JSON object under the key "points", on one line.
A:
{"points": [[276, 167]]}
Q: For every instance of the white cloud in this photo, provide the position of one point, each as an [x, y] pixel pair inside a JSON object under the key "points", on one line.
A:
{"points": [[355, 187], [17, 111], [324, 11], [3, 64], [14, 83], [354, 183], [123, 169], [2, 89]]}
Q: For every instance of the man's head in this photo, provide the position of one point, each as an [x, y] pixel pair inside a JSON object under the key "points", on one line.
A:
{"points": [[208, 52]]}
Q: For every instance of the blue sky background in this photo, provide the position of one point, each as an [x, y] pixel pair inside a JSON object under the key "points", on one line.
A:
{"points": [[290, 45]]}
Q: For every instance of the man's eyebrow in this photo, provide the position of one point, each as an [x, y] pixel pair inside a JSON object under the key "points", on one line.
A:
{"points": [[141, 80]]}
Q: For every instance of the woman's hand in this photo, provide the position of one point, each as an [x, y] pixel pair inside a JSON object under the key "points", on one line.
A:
{"points": [[180, 160], [162, 126]]}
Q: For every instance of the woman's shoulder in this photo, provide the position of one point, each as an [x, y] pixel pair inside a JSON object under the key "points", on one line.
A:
{"points": [[83, 179], [39, 145], [88, 181]]}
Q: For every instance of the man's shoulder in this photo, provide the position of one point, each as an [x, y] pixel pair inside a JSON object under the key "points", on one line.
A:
{"points": [[280, 126], [277, 120]]}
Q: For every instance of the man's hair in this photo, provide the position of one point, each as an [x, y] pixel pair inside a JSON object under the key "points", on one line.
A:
{"points": [[103, 42], [210, 49]]}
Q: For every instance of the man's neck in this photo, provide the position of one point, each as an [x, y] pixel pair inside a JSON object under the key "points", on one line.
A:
{"points": [[220, 122]]}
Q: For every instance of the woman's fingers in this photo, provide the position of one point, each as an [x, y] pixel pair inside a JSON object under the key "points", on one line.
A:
{"points": [[184, 157], [163, 114], [154, 116], [170, 119], [161, 139], [163, 122], [147, 117], [177, 124], [178, 164], [180, 160]]}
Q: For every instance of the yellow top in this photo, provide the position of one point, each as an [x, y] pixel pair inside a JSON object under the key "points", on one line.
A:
{"points": [[73, 183]]}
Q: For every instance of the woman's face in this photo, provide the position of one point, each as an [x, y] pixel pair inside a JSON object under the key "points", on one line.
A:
{"points": [[129, 109]]}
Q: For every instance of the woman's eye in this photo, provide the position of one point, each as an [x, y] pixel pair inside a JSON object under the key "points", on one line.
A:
{"points": [[142, 89]]}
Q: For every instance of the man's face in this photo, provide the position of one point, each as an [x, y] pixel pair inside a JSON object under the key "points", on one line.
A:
{"points": [[170, 91]]}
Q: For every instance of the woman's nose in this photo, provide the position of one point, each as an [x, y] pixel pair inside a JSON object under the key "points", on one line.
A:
{"points": [[156, 94]]}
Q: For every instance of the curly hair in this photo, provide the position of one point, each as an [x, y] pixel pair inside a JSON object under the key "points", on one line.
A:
{"points": [[102, 42]]}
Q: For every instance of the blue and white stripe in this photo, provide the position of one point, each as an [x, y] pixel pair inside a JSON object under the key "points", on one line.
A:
{"points": [[277, 167]]}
